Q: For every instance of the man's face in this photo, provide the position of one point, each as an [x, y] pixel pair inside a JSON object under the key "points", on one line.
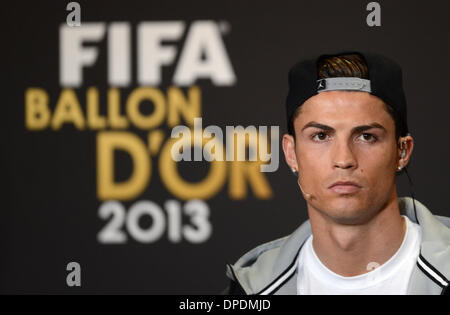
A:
{"points": [[344, 136]]}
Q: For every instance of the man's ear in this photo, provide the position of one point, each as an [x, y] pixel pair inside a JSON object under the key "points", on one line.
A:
{"points": [[288, 144], [407, 144]]}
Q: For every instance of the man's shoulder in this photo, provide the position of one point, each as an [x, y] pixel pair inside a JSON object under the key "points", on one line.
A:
{"points": [[444, 220], [283, 246], [261, 257], [271, 247], [266, 262]]}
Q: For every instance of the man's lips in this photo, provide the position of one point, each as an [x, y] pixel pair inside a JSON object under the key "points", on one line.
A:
{"points": [[345, 187]]}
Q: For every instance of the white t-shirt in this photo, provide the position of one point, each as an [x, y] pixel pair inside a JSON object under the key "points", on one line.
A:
{"points": [[390, 278]]}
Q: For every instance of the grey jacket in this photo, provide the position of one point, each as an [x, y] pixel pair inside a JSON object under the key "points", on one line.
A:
{"points": [[271, 268]]}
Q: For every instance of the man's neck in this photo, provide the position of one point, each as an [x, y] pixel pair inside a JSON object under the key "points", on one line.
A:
{"points": [[353, 249]]}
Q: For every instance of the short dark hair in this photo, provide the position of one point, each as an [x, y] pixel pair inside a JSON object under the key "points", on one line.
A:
{"points": [[349, 65]]}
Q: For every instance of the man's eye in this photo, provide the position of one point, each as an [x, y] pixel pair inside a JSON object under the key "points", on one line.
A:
{"points": [[320, 136], [368, 137]]}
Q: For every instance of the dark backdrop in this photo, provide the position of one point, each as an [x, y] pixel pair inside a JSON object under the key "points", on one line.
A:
{"points": [[50, 214]]}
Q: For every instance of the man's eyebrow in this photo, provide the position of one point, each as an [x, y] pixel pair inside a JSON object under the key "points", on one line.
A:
{"points": [[354, 130]]}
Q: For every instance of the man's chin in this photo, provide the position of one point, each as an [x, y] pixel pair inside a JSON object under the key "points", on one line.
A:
{"points": [[347, 211]]}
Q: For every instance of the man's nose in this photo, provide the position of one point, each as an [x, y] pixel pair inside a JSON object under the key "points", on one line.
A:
{"points": [[343, 155]]}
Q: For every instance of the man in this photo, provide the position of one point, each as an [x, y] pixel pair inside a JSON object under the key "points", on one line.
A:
{"points": [[347, 139]]}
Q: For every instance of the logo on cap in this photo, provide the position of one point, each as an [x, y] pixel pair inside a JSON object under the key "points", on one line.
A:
{"points": [[322, 85]]}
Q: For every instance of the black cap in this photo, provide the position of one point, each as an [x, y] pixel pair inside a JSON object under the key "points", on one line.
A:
{"points": [[385, 77]]}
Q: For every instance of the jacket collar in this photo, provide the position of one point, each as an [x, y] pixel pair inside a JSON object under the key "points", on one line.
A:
{"points": [[433, 262], [266, 268]]}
